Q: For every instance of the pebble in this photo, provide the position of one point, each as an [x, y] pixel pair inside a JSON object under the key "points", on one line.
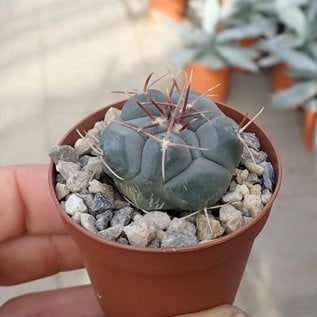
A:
{"points": [[88, 199], [255, 168], [82, 146], [77, 217], [230, 218], [208, 229], [161, 220], [268, 176], [103, 220], [67, 169], [101, 204], [252, 140], [74, 204], [95, 166], [95, 186], [78, 181], [265, 197], [178, 238], [122, 216], [241, 175], [253, 203], [61, 191], [88, 222], [111, 233], [139, 234], [88, 196], [178, 224], [63, 153]]}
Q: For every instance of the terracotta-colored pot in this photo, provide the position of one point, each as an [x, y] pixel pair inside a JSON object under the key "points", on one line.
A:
{"points": [[173, 9], [310, 118], [280, 79], [143, 282], [204, 78]]}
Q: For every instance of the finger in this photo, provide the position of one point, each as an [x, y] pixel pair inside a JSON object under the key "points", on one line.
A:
{"points": [[31, 257], [26, 202], [69, 302], [219, 311]]}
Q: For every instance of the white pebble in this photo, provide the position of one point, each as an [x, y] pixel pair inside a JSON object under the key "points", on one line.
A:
{"points": [[82, 146], [265, 197], [61, 191], [159, 219], [253, 203], [178, 224], [88, 222], [254, 168], [208, 229], [74, 204], [139, 234]]}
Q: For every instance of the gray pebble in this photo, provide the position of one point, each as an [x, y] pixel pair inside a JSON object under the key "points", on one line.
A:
{"points": [[155, 244], [230, 218], [111, 233], [178, 224], [67, 169], [63, 153], [88, 199], [265, 196], [268, 176], [101, 204], [252, 140], [95, 186], [78, 181], [103, 220], [159, 219], [88, 222], [177, 239], [259, 156], [122, 216]]}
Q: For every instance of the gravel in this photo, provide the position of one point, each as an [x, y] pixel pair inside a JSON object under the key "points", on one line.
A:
{"points": [[93, 202]]}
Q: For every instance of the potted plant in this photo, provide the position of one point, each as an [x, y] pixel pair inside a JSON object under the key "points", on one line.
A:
{"points": [[210, 52], [299, 52], [293, 21], [173, 154]]}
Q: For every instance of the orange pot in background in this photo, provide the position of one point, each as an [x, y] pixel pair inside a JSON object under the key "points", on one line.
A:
{"points": [[173, 9], [204, 78], [309, 124], [280, 78]]}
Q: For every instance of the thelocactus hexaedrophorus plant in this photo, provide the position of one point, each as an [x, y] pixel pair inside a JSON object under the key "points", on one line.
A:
{"points": [[171, 151]]}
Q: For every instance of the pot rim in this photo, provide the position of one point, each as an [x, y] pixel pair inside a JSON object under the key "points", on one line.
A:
{"points": [[215, 242]]}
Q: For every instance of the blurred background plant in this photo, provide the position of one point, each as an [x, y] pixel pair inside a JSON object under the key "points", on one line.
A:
{"points": [[280, 35]]}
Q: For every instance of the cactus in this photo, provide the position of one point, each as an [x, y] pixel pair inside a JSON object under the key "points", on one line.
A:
{"points": [[173, 151]]}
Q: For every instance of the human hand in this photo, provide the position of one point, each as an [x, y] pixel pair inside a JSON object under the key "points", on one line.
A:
{"points": [[35, 244]]}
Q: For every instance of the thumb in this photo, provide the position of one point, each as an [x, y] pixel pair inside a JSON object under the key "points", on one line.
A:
{"points": [[219, 311]]}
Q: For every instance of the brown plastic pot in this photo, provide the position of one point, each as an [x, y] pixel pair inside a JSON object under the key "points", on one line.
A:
{"points": [[143, 282], [204, 78], [173, 9], [280, 79], [310, 118]]}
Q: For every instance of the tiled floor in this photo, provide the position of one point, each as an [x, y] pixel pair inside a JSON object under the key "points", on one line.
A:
{"points": [[58, 62]]}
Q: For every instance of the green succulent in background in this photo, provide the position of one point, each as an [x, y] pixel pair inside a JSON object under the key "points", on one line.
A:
{"points": [[299, 20], [298, 49], [208, 44], [171, 151]]}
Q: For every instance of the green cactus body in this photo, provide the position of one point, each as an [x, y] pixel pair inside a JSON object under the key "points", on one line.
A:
{"points": [[199, 160]]}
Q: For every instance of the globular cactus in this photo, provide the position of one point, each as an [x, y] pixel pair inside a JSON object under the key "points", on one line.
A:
{"points": [[171, 151]]}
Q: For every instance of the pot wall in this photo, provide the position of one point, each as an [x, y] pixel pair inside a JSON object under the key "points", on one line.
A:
{"points": [[142, 282]]}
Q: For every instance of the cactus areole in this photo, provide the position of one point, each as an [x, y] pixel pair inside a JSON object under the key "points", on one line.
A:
{"points": [[174, 151]]}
